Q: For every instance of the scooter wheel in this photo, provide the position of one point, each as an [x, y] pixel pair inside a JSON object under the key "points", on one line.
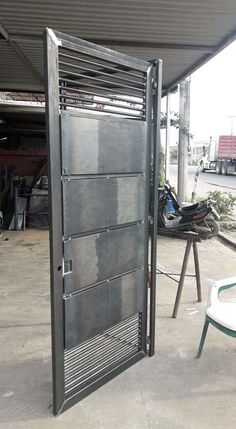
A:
{"points": [[207, 229], [213, 226]]}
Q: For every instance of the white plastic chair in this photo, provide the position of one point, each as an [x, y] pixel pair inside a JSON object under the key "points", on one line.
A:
{"points": [[220, 314]]}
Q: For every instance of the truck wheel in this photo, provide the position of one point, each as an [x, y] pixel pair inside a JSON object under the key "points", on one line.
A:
{"points": [[218, 168], [224, 168]]}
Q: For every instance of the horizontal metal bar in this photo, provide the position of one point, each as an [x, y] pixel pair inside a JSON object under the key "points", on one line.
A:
{"points": [[107, 280], [82, 362], [114, 69], [90, 351], [96, 343], [118, 356], [107, 89], [83, 369], [100, 72], [79, 45], [127, 332], [121, 333], [107, 344], [104, 376], [110, 357], [81, 106], [100, 337], [97, 79], [129, 338], [104, 340], [97, 176], [72, 97], [98, 370], [83, 347], [97, 94], [99, 231]]}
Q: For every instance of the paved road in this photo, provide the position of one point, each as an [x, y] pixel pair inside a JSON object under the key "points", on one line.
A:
{"points": [[206, 180]]}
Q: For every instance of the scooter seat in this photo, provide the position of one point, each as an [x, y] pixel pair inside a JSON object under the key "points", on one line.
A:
{"points": [[189, 208]]}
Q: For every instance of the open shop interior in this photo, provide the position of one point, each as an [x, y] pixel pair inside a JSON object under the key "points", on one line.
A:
{"points": [[23, 166]]}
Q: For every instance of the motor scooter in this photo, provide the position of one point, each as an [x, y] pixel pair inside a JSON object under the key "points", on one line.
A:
{"points": [[200, 217]]}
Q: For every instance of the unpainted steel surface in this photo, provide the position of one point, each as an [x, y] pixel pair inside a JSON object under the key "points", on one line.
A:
{"points": [[102, 256], [90, 312], [99, 194], [101, 145], [102, 203]]}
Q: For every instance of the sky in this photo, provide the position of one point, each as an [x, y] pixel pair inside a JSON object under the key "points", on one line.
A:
{"points": [[213, 98]]}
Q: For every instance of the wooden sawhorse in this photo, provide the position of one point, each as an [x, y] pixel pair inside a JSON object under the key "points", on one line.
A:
{"points": [[191, 239]]}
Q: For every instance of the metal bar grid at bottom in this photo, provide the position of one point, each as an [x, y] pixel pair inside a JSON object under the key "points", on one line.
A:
{"points": [[93, 360]]}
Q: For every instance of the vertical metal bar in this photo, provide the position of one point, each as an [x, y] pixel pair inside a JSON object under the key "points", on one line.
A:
{"points": [[197, 272], [167, 149], [24, 220], [15, 209], [182, 277], [55, 204], [154, 209], [148, 118]]}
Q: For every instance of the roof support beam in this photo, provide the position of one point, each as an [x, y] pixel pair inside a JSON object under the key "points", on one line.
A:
{"points": [[20, 53], [129, 43], [203, 60], [152, 45]]}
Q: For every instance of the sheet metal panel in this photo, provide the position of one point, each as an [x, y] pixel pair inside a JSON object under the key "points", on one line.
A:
{"points": [[91, 204], [95, 258], [89, 313], [98, 145]]}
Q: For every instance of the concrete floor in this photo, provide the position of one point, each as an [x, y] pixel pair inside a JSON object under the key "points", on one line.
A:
{"points": [[172, 390]]}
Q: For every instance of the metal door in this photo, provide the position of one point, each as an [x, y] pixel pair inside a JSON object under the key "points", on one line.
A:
{"points": [[99, 121]]}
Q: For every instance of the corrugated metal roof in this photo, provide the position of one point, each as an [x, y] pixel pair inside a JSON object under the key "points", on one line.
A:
{"points": [[184, 33]]}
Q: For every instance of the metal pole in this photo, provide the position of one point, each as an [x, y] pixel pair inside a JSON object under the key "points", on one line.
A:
{"points": [[154, 211], [167, 151], [15, 209], [184, 121]]}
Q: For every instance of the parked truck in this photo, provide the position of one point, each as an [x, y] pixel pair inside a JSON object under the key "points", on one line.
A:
{"points": [[220, 156]]}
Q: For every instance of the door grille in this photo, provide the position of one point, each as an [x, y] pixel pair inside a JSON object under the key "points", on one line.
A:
{"points": [[90, 83], [89, 361]]}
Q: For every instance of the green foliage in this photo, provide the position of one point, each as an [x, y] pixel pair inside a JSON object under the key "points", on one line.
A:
{"points": [[225, 203]]}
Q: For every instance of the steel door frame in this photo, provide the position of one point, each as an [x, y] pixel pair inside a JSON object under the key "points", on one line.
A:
{"points": [[52, 41]]}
